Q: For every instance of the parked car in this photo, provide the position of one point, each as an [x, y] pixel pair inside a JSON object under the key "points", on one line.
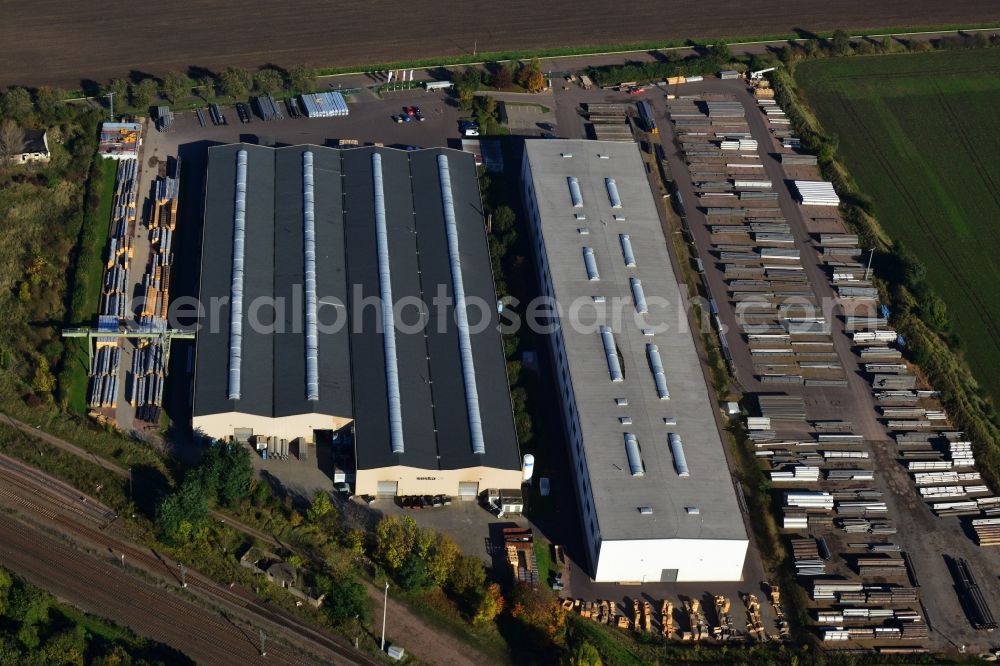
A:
{"points": [[410, 110], [397, 119], [471, 131], [418, 113], [243, 111], [407, 119], [543, 486]]}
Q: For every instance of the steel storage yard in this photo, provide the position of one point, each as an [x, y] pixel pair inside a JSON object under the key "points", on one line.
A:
{"points": [[319, 235], [657, 499]]}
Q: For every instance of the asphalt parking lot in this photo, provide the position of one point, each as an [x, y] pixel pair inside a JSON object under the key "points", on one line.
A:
{"points": [[370, 121]]}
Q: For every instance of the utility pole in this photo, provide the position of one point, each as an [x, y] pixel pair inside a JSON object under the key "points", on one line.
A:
{"points": [[263, 636], [184, 571], [871, 256], [123, 560], [111, 103], [131, 494], [385, 608]]}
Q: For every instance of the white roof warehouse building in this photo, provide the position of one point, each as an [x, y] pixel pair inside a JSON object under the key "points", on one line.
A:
{"points": [[651, 511], [301, 238]]}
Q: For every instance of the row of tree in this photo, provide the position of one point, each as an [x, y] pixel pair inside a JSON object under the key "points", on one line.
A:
{"points": [[233, 83], [841, 44], [518, 76], [174, 87]]}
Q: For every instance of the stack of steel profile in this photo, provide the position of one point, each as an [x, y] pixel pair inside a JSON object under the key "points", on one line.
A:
{"points": [[914, 627], [972, 598], [987, 531], [103, 390], [268, 108], [865, 526], [807, 557], [850, 475], [797, 159], [796, 474], [724, 109], [882, 567], [961, 454], [830, 590], [990, 506], [782, 407], [882, 596], [325, 105]]}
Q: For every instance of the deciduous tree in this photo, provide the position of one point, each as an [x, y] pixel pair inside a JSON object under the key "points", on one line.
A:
{"points": [[235, 82], [719, 53], [490, 605], [118, 88], [47, 101], [346, 599], [584, 654], [302, 78], [441, 558], [16, 103], [467, 574], [320, 507], [143, 94], [840, 43], [503, 77], [177, 86], [395, 537], [268, 81], [10, 138]]}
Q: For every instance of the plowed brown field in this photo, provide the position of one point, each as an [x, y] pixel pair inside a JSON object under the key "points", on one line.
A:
{"points": [[63, 42]]}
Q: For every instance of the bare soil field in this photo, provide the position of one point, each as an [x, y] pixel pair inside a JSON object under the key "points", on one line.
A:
{"points": [[67, 42]]}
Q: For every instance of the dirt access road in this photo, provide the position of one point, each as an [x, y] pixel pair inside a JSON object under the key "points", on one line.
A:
{"points": [[62, 42]]}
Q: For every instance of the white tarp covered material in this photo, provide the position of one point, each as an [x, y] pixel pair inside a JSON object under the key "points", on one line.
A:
{"points": [[816, 193], [325, 105]]}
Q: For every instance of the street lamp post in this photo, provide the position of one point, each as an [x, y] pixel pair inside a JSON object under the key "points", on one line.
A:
{"points": [[385, 607]]}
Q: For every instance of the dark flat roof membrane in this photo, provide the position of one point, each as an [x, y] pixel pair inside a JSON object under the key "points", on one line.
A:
{"points": [[351, 363]]}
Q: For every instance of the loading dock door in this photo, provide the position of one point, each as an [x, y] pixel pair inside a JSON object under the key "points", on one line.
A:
{"points": [[468, 490], [387, 488]]}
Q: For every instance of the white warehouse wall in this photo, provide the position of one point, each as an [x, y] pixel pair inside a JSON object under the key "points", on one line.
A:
{"points": [[696, 560]]}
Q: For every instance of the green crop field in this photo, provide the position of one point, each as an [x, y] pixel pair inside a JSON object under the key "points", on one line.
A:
{"points": [[920, 133]]}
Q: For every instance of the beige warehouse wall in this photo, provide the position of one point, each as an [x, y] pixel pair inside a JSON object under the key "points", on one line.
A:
{"points": [[222, 426], [415, 481]]}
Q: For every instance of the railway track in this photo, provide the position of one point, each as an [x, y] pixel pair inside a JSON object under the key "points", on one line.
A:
{"points": [[25, 489], [97, 587]]}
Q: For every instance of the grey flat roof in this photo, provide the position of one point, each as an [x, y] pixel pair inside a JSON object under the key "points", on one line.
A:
{"points": [[352, 370], [616, 493]]}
